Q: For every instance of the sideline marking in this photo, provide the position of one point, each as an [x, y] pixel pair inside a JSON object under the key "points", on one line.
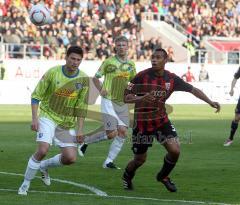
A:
{"points": [[84, 186], [119, 197], [101, 193]]}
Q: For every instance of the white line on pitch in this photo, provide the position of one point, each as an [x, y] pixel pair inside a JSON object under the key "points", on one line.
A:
{"points": [[120, 197], [84, 186]]}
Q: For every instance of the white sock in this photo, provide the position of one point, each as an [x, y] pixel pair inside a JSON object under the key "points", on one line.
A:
{"points": [[97, 137], [31, 170], [52, 162], [115, 148]]}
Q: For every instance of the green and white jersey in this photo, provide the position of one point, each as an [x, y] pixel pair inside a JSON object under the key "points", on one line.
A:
{"points": [[116, 75], [63, 98]]}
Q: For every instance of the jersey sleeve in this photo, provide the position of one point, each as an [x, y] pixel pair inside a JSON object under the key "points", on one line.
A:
{"points": [[181, 85], [237, 74], [42, 86], [101, 71], [133, 72], [132, 86], [82, 102]]}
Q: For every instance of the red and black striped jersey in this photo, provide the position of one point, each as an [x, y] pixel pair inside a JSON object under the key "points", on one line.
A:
{"points": [[149, 116]]}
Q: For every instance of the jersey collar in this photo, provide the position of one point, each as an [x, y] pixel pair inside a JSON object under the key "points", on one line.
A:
{"points": [[121, 61], [69, 76]]}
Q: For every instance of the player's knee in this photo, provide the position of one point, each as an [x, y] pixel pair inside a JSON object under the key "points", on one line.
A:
{"points": [[237, 118], [41, 153], [70, 159], [112, 134], [175, 153], [122, 132], [140, 160]]}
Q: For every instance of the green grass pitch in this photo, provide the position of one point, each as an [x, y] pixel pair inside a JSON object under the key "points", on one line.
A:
{"points": [[206, 171]]}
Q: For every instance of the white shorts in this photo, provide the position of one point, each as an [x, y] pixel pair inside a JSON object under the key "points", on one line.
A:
{"points": [[113, 114], [50, 133]]}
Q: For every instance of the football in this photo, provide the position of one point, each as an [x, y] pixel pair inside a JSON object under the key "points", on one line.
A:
{"points": [[40, 15]]}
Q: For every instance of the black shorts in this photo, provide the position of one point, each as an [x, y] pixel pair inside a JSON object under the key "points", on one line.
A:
{"points": [[141, 141], [237, 109]]}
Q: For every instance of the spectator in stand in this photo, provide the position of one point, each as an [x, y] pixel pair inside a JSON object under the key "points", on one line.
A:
{"points": [[188, 76], [191, 49], [111, 17], [170, 54], [203, 74], [201, 53], [2, 70]]}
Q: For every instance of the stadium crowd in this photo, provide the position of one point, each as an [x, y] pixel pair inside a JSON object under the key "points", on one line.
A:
{"points": [[93, 24]]}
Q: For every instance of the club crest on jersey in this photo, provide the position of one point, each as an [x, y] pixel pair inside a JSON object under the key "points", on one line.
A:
{"points": [[110, 68], [167, 86], [78, 86]]}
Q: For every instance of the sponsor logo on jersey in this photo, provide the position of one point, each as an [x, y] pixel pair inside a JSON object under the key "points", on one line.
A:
{"points": [[159, 93], [123, 75], [67, 93]]}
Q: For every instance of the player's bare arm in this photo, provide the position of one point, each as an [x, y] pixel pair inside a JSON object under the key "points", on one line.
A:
{"points": [[98, 85], [199, 94], [79, 134], [132, 98], [34, 125], [234, 81]]}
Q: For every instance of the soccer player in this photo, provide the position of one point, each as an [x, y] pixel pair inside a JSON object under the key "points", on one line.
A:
{"points": [[62, 93], [149, 90], [117, 71], [236, 119]]}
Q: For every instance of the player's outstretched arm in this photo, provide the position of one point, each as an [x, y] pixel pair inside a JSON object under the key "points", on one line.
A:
{"points": [[201, 95], [98, 85], [132, 98], [234, 81]]}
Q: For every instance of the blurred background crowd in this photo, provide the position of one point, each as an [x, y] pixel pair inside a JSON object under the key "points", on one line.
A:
{"points": [[93, 24]]}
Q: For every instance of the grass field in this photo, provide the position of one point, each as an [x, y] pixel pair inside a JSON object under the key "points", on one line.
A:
{"points": [[207, 172]]}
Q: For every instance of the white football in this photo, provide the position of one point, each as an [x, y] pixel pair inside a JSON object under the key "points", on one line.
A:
{"points": [[40, 15]]}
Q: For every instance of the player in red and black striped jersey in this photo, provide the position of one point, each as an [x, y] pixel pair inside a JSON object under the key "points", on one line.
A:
{"points": [[149, 90], [235, 121]]}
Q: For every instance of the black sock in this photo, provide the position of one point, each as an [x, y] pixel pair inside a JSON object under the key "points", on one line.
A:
{"points": [[166, 168], [129, 174], [234, 127]]}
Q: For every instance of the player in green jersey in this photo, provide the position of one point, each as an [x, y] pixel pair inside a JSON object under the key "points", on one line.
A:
{"points": [[63, 95], [117, 71]]}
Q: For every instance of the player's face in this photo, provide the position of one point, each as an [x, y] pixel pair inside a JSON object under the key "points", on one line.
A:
{"points": [[121, 48], [73, 61], [158, 60]]}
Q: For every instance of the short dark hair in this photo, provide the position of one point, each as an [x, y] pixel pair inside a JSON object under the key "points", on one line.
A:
{"points": [[163, 51], [75, 49], [120, 38]]}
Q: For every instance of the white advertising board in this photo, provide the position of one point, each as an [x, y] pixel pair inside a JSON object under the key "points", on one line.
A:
{"points": [[23, 75]]}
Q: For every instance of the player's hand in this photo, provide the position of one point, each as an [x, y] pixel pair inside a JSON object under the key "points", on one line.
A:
{"points": [[103, 92], [216, 105], [80, 138], [231, 92], [149, 97], [35, 124]]}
